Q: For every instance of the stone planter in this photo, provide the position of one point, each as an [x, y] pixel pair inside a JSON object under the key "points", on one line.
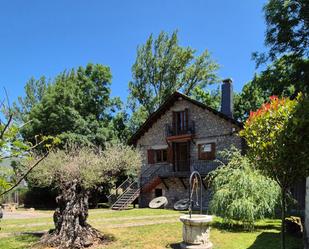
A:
{"points": [[195, 231]]}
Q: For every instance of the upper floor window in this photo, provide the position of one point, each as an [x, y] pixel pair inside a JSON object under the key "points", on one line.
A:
{"points": [[207, 151], [180, 121]]}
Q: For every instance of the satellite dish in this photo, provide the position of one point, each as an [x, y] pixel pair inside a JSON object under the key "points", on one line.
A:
{"points": [[158, 202], [182, 205]]}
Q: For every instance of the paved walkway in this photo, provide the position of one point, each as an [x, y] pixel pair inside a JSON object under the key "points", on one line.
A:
{"points": [[25, 215]]}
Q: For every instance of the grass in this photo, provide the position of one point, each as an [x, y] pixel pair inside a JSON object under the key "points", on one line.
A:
{"points": [[135, 229]]}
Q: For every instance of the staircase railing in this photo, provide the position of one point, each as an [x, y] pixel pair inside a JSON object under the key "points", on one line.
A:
{"points": [[119, 190], [134, 185]]}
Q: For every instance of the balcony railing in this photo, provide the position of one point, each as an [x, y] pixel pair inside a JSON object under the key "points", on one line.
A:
{"points": [[188, 129], [166, 170]]}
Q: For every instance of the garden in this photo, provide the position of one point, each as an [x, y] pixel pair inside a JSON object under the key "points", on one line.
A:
{"points": [[65, 148], [143, 228]]}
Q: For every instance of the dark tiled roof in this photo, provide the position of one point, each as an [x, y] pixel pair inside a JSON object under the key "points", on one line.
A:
{"points": [[166, 105]]}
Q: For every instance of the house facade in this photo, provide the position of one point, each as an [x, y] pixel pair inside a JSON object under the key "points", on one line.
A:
{"points": [[182, 136]]}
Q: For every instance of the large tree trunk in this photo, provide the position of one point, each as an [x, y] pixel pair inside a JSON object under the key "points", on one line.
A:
{"points": [[71, 229]]}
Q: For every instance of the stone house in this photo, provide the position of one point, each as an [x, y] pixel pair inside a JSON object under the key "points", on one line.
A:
{"points": [[182, 136]]}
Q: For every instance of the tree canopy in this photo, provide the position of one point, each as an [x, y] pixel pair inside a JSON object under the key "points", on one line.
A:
{"points": [[287, 27], [162, 66], [249, 99], [277, 136], [240, 192], [76, 106]]}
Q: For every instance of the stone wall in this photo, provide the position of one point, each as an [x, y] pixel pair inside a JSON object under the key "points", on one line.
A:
{"points": [[176, 191], [209, 127]]}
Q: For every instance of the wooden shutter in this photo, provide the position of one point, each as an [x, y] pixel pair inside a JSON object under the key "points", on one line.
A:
{"points": [[174, 122], [213, 151], [207, 155], [200, 154], [151, 159], [186, 119], [170, 154]]}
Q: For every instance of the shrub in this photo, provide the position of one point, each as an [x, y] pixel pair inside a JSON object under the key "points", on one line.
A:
{"points": [[240, 192]]}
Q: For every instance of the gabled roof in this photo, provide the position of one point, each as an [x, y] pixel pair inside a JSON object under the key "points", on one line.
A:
{"points": [[165, 107]]}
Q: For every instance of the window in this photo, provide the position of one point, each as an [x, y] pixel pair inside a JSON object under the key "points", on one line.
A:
{"points": [[161, 156], [207, 151], [180, 122], [157, 156]]}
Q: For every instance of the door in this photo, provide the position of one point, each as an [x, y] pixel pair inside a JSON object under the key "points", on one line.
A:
{"points": [[182, 156]]}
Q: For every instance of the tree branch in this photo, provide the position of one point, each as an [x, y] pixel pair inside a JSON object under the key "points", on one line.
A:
{"points": [[25, 175], [6, 126]]}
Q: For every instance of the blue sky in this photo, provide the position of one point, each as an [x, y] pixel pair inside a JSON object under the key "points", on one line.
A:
{"points": [[45, 37]]}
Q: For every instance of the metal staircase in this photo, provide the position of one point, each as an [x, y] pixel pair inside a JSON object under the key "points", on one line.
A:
{"points": [[128, 196], [131, 189]]}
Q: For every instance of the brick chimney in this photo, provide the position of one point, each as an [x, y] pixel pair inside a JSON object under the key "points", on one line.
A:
{"points": [[227, 98]]}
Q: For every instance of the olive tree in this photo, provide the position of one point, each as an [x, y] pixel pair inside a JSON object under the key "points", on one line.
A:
{"points": [[75, 172]]}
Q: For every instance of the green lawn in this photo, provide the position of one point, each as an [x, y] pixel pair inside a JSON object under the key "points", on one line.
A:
{"points": [[136, 229]]}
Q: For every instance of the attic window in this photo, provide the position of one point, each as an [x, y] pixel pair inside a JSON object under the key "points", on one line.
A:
{"points": [[207, 151]]}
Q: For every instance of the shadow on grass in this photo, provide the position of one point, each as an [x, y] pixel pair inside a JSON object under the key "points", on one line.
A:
{"points": [[236, 227], [272, 240], [266, 240], [174, 246], [33, 239]]}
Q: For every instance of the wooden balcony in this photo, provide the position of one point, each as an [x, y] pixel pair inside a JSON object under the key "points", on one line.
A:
{"points": [[180, 133], [169, 170]]}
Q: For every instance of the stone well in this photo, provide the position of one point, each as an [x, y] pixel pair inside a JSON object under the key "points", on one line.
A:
{"points": [[196, 231]]}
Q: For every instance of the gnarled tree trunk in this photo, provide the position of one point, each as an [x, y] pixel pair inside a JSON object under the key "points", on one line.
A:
{"points": [[71, 228]]}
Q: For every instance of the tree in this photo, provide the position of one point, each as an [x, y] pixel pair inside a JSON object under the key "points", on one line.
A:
{"points": [[287, 37], [209, 98], [287, 27], [277, 138], [12, 146], [137, 118], [34, 92], [75, 172], [240, 192], [249, 99], [286, 76], [162, 67], [76, 107]]}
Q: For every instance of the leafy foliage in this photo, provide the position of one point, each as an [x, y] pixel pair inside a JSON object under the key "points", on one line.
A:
{"points": [[137, 118], [277, 137], [271, 143], [287, 27], [250, 99], [89, 167], [242, 193], [162, 67], [5, 175], [76, 107], [209, 98], [34, 92], [285, 76]]}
